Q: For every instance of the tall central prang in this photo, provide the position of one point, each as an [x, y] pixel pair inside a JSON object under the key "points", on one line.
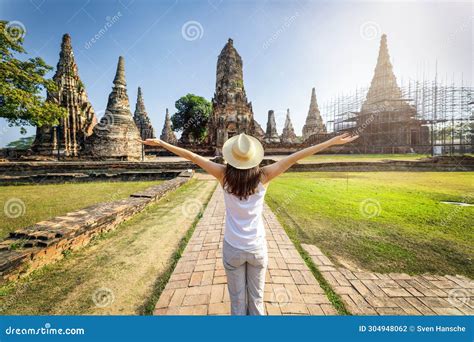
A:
{"points": [[231, 111]]}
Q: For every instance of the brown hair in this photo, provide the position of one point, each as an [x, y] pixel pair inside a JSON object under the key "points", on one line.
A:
{"points": [[242, 183]]}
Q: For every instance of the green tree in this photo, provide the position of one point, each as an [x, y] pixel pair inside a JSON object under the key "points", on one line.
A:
{"points": [[22, 83], [191, 117], [22, 143]]}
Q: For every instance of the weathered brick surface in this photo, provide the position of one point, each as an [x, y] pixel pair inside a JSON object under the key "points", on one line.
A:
{"points": [[290, 286], [367, 293], [45, 242]]}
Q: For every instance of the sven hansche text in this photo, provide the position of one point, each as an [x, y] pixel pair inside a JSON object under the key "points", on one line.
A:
{"points": [[440, 328]]}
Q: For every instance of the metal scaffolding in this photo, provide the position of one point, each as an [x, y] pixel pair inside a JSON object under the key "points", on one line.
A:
{"points": [[438, 119]]}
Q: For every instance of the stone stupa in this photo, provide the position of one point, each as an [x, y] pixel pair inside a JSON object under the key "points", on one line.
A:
{"points": [[167, 133], [271, 135], [116, 135], [314, 122], [387, 122], [288, 135], [384, 92], [141, 118]]}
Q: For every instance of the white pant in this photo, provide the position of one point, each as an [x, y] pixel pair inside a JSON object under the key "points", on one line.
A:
{"points": [[245, 272]]}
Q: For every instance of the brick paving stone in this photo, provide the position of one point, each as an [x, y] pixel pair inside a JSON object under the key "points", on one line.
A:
{"points": [[178, 296], [420, 306], [219, 309], [196, 278], [396, 292], [370, 293], [188, 310], [315, 310], [197, 299], [360, 287], [328, 309], [374, 288], [198, 285], [272, 309]]}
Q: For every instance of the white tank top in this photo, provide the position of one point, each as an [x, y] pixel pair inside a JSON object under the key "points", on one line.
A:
{"points": [[243, 221]]}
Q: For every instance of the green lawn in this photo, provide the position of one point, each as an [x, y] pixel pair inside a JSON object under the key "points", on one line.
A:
{"points": [[328, 158], [382, 221], [24, 205]]}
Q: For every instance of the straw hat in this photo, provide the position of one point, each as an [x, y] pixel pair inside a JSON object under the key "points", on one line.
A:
{"points": [[243, 151]]}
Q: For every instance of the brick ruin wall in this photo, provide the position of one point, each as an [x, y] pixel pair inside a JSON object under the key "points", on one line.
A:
{"points": [[30, 248]]}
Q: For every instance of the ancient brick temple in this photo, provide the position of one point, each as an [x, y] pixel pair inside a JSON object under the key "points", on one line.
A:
{"points": [[231, 111], [271, 134], [116, 135], [167, 133], [288, 135], [141, 118], [386, 122], [314, 122], [72, 130]]}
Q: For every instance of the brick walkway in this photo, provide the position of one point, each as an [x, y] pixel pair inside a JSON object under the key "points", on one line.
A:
{"points": [[198, 283], [366, 293]]}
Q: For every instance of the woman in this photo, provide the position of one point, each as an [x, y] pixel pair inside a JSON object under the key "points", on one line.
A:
{"points": [[244, 249]]}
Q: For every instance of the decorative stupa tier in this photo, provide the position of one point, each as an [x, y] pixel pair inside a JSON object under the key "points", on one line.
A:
{"points": [[231, 111], [116, 136], [72, 130], [167, 133], [288, 135], [271, 135], [314, 122], [142, 119]]}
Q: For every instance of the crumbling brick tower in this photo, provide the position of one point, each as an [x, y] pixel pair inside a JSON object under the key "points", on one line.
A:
{"points": [[70, 134], [231, 111]]}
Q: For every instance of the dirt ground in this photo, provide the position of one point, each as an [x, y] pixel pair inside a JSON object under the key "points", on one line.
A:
{"points": [[115, 274]]}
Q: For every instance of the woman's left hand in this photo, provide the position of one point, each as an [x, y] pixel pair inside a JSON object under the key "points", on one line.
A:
{"points": [[151, 142], [343, 139]]}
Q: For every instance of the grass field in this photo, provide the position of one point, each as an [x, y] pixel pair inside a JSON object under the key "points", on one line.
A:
{"points": [[123, 270], [25, 205], [382, 221], [328, 158]]}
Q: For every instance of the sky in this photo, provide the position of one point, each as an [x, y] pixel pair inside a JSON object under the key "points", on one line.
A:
{"points": [[288, 47]]}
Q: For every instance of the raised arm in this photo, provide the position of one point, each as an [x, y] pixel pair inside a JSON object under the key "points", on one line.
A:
{"points": [[214, 169], [275, 169]]}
